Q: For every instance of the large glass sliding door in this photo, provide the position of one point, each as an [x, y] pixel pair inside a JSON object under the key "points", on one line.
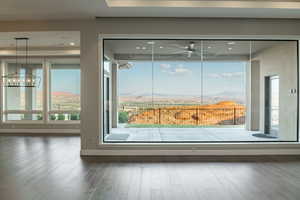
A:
{"points": [[224, 83], [199, 90]]}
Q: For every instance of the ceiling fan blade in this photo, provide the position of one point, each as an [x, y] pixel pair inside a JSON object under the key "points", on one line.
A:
{"points": [[178, 46], [176, 52], [173, 51]]}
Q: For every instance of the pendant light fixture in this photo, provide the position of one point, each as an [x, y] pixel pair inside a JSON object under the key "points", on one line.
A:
{"points": [[28, 79]]}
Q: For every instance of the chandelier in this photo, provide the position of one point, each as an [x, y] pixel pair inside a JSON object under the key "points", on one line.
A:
{"points": [[17, 79]]}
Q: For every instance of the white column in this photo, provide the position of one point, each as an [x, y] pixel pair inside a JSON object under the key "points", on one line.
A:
{"points": [[91, 87], [253, 96], [115, 96]]}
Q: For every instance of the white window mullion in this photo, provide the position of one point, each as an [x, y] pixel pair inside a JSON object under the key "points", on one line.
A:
{"points": [[1, 92], [46, 90]]}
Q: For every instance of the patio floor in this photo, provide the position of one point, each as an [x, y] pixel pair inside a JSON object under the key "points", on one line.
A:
{"points": [[183, 135]]}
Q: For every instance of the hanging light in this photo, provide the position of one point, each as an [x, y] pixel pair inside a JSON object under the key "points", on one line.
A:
{"points": [[21, 80]]}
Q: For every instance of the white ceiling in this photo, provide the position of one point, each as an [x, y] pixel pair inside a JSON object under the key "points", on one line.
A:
{"points": [[54, 43], [52, 39], [287, 4], [84, 9], [177, 49]]}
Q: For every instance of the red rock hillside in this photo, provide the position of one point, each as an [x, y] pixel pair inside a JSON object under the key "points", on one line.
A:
{"points": [[222, 113]]}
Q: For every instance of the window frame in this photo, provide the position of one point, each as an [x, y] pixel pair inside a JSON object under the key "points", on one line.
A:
{"points": [[49, 110], [45, 62], [103, 37], [5, 112]]}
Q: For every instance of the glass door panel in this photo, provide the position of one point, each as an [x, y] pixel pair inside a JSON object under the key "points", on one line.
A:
{"points": [[274, 106], [193, 90]]}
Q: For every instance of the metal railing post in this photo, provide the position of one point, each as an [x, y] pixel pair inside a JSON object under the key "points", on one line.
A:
{"points": [[197, 115], [159, 116], [234, 120]]}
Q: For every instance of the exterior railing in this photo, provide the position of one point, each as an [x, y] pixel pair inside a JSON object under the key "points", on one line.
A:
{"points": [[189, 116]]}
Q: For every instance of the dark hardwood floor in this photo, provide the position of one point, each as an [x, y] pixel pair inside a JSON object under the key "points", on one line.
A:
{"points": [[50, 168]]}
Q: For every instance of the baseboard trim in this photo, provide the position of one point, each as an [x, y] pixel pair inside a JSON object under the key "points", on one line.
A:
{"points": [[225, 152], [40, 131]]}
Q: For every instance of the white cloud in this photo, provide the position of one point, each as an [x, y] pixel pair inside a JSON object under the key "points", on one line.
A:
{"points": [[214, 75], [178, 70], [226, 75], [165, 66]]}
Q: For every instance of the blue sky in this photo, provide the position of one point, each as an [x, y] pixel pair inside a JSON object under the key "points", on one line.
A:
{"points": [[62, 80], [65, 81], [183, 78]]}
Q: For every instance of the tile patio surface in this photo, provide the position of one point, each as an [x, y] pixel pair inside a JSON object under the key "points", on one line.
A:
{"points": [[183, 135]]}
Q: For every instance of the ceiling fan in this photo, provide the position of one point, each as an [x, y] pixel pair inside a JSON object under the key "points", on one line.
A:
{"points": [[191, 49]]}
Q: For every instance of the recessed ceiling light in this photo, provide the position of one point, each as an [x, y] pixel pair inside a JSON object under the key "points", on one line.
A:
{"points": [[144, 48], [151, 42], [229, 48], [72, 43], [209, 47], [138, 47], [231, 43], [161, 47]]}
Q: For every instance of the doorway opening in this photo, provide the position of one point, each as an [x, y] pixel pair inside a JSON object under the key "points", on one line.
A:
{"points": [[272, 105]]}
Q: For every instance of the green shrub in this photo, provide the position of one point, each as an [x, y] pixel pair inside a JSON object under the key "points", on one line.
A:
{"points": [[52, 117], [61, 117], [123, 117], [74, 117], [39, 117]]}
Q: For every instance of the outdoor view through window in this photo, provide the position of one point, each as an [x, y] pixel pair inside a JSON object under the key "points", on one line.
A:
{"points": [[40, 78], [65, 90], [26, 103], [199, 90]]}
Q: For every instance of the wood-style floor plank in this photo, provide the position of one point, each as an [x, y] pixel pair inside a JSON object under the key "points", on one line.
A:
{"points": [[50, 168]]}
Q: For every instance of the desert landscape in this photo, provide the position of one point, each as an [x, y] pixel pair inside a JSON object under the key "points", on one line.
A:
{"points": [[65, 101], [222, 113]]}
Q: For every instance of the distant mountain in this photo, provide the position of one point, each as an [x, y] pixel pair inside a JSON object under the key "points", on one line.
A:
{"points": [[179, 95], [65, 94], [230, 94], [150, 95], [178, 98], [65, 101]]}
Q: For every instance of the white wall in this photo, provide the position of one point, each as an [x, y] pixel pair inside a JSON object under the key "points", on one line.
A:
{"points": [[280, 60], [151, 27]]}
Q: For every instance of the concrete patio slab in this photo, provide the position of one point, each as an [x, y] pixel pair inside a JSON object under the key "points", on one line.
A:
{"points": [[184, 135]]}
